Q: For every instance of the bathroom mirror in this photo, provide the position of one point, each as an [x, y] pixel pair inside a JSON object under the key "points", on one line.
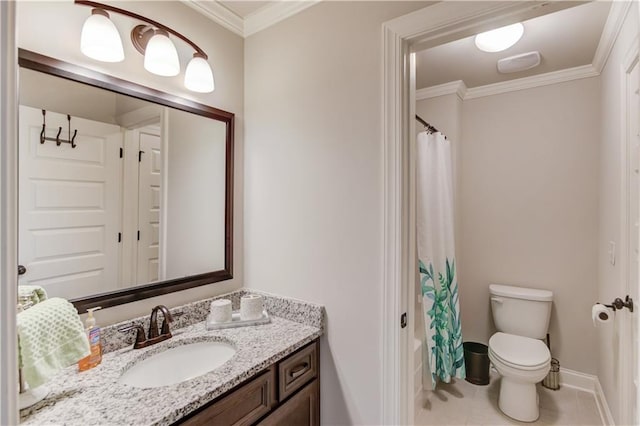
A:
{"points": [[125, 192]]}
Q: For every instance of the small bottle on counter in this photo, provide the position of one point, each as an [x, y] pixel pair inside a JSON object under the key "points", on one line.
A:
{"points": [[93, 333]]}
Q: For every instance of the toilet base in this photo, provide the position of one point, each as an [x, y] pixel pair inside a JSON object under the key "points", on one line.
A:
{"points": [[519, 400]]}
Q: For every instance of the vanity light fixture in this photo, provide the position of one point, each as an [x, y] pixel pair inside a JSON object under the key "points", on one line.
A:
{"points": [[160, 55], [100, 39], [499, 39], [198, 76], [151, 39]]}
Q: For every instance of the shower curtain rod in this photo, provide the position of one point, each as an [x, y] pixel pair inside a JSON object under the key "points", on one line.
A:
{"points": [[428, 127]]}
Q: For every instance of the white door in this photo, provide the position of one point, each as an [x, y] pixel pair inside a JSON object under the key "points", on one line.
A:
{"points": [[69, 205], [149, 205], [630, 340]]}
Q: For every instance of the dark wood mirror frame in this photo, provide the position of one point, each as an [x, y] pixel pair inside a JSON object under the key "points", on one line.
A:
{"points": [[45, 64]]}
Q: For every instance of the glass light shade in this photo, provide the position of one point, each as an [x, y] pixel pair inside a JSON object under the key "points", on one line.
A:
{"points": [[100, 39], [198, 76], [160, 56], [499, 39]]}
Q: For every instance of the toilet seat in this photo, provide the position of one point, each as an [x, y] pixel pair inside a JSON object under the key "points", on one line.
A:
{"points": [[519, 352]]}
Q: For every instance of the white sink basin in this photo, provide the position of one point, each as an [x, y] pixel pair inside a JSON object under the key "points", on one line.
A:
{"points": [[178, 364]]}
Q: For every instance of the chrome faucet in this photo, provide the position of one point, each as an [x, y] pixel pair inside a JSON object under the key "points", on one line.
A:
{"points": [[153, 336]]}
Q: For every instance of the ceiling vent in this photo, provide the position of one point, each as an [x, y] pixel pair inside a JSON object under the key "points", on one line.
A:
{"points": [[522, 62]]}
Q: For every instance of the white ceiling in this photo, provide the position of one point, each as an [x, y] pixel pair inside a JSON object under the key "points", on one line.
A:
{"points": [[246, 17], [244, 8], [565, 39]]}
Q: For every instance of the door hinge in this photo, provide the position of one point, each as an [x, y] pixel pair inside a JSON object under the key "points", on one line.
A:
{"points": [[121, 153], [140, 156], [138, 235], [119, 237], [403, 320]]}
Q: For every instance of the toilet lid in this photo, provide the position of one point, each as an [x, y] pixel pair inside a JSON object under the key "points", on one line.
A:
{"points": [[519, 351]]}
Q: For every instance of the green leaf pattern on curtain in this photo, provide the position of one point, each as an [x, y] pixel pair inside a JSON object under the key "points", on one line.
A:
{"points": [[443, 328]]}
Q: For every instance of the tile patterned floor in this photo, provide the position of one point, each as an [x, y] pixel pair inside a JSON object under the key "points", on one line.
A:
{"points": [[461, 403]]}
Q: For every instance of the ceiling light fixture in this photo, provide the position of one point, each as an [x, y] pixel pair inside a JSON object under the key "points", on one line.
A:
{"points": [[152, 40], [499, 39]]}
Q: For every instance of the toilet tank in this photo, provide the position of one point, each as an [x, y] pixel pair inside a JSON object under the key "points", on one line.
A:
{"points": [[520, 310]]}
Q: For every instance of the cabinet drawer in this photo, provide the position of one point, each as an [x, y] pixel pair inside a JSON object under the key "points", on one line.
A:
{"points": [[297, 370], [303, 409], [242, 407]]}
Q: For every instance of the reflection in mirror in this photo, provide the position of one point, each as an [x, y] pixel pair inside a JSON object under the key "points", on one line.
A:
{"points": [[138, 198]]}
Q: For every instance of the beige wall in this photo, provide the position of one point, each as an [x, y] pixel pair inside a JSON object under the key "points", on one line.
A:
{"points": [[529, 190], [43, 91], [313, 212], [53, 29], [526, 169], [610, 278], [195, 177]]}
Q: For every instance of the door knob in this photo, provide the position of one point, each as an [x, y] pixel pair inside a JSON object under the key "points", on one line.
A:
{"points": [[22, 270]]}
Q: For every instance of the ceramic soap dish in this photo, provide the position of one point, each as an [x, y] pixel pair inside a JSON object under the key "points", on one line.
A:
{"points": [[236, 321]]}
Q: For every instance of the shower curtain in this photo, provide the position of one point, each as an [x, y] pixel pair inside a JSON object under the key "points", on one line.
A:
{"points": [[436, 259]]}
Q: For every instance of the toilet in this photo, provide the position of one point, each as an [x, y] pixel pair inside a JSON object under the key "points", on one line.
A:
{"points": [[517, 352]]}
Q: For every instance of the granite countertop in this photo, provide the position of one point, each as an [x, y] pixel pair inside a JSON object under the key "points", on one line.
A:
{"points": [[95, 397]]}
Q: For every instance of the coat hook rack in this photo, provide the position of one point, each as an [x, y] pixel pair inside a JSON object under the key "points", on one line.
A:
{"points": [[57, 140]]}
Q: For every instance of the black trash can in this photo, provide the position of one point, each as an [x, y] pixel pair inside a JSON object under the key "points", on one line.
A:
{"points": [[476, 360]]}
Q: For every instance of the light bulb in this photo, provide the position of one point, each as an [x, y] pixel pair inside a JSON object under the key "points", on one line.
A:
{"points": [[198, 76], [160, 56], [100, 39], [499, 39]]}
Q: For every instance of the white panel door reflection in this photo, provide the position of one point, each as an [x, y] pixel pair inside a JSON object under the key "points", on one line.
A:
{"points": [[69, 204]]}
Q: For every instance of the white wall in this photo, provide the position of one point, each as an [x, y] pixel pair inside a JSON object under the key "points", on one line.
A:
{"points": [[529, 190], [225, 50], [314, 188], [610, 277]]}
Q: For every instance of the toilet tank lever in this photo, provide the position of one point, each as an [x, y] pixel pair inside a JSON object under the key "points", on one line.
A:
{"points": [[497, 300]]}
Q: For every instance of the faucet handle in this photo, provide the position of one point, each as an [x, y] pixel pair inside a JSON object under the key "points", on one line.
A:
{"points": [[140, 339]]}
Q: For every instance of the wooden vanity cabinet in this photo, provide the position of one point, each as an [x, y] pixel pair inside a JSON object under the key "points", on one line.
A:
{"points": [[286, 393], [303, 408]]}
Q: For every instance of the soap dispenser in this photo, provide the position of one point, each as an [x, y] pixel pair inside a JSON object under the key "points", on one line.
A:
{"points": [[93, 333]]}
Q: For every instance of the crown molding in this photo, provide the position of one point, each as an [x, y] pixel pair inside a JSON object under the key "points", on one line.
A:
{"points": [[459, 88], [271, 15], [615, 20], [257, 21], [218, 14], [539, 80]]}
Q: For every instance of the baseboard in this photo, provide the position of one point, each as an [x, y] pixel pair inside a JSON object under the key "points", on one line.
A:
{"points": [[603, 407], [588, 383], [417, 381], [578, 380]]}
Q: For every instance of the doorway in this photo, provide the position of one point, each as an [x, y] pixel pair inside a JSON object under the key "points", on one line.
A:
{"points": [[429, 27]]}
